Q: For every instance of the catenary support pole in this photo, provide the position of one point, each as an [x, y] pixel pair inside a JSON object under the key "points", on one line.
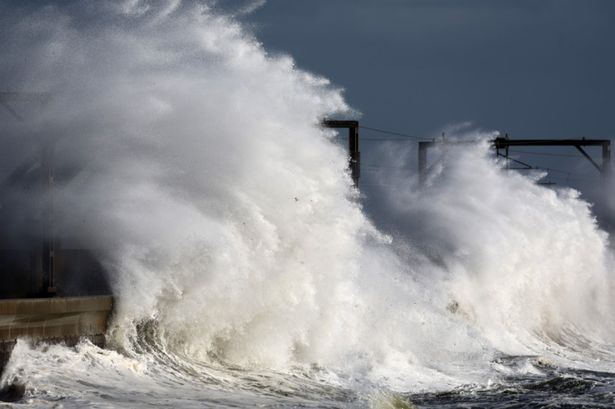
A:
{"points": [[354, 152]]}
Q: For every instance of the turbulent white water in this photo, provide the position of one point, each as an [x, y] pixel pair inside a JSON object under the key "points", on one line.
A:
{"points": [[245, 269]]}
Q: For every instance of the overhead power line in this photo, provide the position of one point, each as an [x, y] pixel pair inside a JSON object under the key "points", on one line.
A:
{"points": [[566, 155], [527, 166], [384, 131], [384, 139]]}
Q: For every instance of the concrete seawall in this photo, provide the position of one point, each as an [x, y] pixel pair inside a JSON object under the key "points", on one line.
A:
{"points": [[62, 319]]}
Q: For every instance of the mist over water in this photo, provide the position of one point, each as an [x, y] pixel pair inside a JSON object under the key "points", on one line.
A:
{"points": [[244, 267], [514, 252]]}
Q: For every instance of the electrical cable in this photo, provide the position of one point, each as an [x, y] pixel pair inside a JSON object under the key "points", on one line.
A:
{"points": [[565, 155], [384, 131]]}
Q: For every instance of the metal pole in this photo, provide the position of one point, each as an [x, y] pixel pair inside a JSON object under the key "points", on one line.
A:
{"points": [[48, 279], [606, 160], [355, 154], [423, 162]]}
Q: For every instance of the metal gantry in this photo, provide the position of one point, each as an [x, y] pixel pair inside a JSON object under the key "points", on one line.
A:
{"points": [[504, 143], [604, 167], [354, 153]]}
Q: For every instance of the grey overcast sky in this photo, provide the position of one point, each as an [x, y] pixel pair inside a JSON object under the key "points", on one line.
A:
{"points": [[527, 67], [531, 68]]}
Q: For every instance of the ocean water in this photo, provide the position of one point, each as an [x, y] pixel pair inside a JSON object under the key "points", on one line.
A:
{"points": [[88, 376], [247, 272]]}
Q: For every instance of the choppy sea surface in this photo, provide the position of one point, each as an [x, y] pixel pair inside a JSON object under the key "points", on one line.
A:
{"points": [[88, 376], [555, 388]]}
